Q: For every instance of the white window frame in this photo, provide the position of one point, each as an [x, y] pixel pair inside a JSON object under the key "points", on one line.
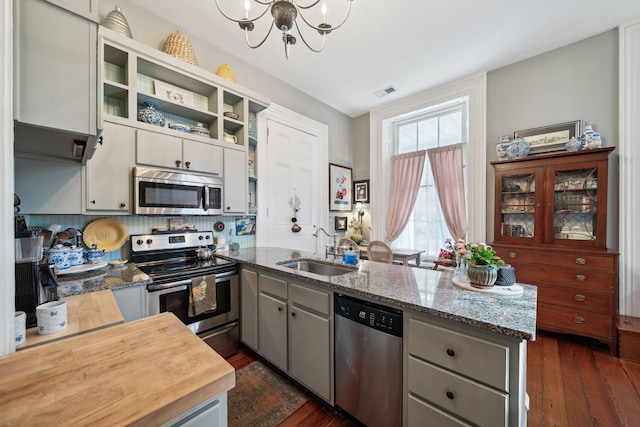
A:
{"points": [[475, 89], [457, 105]]}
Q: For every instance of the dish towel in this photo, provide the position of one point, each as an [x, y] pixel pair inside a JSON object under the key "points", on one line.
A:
{"points": [[202, 295]]}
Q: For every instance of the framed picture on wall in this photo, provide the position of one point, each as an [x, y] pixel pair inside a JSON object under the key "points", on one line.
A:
{"points": [[550, 138], [339, 188], [361, 191], [341, 223]]}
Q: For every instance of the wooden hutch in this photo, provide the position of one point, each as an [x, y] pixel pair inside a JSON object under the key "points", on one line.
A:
{"points": [[550, 224]]}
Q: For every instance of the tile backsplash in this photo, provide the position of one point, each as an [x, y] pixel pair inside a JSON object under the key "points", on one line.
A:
{"points": [[136, 224]]}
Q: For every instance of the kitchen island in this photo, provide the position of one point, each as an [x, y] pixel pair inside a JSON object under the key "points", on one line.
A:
{"points": [[421, 290], [463, 352], [134, 374]]}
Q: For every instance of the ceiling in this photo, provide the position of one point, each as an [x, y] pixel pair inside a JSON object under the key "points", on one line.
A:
{"points": [[412, 45]]}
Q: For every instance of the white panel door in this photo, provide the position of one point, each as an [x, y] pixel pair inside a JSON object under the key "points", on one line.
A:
{"points": [[293, 170]]}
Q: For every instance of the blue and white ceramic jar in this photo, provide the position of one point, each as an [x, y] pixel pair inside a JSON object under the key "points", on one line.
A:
{"points": [[59, 255], [150, 115], [518, 149], [76, 256], [574, 144]]}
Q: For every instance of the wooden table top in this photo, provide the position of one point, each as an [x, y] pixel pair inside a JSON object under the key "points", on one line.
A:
{"points": [[146, 372], [85, 313]]}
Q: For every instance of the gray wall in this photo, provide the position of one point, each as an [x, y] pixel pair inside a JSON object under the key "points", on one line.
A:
{"points": [[575, 82], [360, 139], [153, 31]]}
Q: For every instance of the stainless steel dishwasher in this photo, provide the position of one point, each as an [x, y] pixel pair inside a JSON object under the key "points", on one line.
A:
{"points": [[368, 361]]}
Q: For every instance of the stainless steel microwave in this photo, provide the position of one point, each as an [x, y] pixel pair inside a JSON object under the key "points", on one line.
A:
{"points": [[164, 192]]}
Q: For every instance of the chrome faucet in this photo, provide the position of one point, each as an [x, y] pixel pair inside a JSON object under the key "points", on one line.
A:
{"points": [[335, 246]]}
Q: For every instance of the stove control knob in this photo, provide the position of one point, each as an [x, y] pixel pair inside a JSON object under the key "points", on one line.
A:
{"points": [[149, 241], [200, 237], [139, 241], [207, 237]]}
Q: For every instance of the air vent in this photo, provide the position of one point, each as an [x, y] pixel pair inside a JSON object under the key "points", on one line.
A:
{"points": [[385, 92]]}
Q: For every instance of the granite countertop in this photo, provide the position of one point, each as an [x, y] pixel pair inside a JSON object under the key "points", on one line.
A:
{"points": [[109, 277], [418, 289]]}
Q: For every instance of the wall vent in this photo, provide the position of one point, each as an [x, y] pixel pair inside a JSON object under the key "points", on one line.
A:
{"points": [[385, 91]]}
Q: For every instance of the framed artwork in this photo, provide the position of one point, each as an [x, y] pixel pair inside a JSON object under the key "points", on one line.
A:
{"points": [[551, 138], [341, 223], [361, 191], [245, 226], [339, 188]]}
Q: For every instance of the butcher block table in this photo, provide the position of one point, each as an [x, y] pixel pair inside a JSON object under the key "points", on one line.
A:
{"points": [[85, 313], [142, 373]]}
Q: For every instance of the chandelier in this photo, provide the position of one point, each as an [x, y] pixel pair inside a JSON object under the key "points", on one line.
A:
{"points": [[285, 15]]}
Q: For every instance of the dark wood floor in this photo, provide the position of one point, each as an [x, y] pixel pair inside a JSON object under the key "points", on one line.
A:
{"points": [[569, 384]]}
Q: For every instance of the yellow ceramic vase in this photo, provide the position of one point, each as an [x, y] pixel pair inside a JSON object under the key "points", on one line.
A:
{"points": [[226, 72]]}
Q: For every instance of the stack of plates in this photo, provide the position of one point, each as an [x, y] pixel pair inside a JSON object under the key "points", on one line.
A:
{"points": [[116, 21]]}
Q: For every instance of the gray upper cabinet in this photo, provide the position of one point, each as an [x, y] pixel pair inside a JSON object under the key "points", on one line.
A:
{"points": [[108, 174], [55, 81], [235, 180]]}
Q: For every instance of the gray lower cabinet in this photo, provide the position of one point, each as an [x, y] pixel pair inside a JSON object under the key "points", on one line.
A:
{"points": [[456, 375], [109, 172], [132, 302], [294, 328], [249, 307]]}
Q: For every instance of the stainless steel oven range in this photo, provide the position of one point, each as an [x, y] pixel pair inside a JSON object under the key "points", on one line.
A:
{"points": [[170, 260]]}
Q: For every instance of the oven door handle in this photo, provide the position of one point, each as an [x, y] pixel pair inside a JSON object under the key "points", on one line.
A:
{"points": [[182, 284]]}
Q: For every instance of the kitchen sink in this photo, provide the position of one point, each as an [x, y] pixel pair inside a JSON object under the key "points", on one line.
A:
{"points": [[317, 267]]}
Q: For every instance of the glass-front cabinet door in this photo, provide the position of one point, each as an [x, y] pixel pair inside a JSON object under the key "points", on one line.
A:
{"points": [[518, 206], [554, 199]]}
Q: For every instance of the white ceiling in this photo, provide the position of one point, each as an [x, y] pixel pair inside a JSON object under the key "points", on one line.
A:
{"points": [[411, 45]]}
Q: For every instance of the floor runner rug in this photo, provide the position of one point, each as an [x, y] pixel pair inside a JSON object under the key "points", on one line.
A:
{"points": [[262, 397]]}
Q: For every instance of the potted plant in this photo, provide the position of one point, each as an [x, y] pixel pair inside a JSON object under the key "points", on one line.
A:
{"points": [[482, 265]]}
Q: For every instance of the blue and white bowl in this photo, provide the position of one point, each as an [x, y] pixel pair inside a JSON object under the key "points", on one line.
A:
{"points": [[59, 255], [180, 127]]}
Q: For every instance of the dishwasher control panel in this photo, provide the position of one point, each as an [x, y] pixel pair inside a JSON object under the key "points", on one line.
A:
{"points": [[375, 316]]}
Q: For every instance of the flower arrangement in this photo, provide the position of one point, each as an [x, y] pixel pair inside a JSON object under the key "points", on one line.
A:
{"points": [[481, 254], [356, 227]]}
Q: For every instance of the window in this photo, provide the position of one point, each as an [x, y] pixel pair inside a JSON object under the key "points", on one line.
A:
{"points": [[436, 127]]}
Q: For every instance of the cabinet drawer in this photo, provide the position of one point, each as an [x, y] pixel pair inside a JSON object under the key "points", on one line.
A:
{"points": [[421, 414], [273, 286], [481, 360], [564, 259], [310, 298], [458, 395], [578, 277], [577, 299], [555, 318]]}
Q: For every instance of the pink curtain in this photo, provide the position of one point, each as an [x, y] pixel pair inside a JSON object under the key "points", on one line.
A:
{"points": [[448, 174], [406, 173]]}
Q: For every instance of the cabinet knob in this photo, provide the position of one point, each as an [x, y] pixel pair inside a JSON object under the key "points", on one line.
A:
{"points": [[581, 261], [580, 278], [450, 395], [93, 202], [187, 164], [178, 163], [579, 319], [122, 205], [512, 255], [293, 314], [450, 352], [279, 308], [100, 140], [579, 297]]}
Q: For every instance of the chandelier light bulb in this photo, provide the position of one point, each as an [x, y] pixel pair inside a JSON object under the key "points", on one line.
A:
{"points": [[247, 6], [324, 12]]}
